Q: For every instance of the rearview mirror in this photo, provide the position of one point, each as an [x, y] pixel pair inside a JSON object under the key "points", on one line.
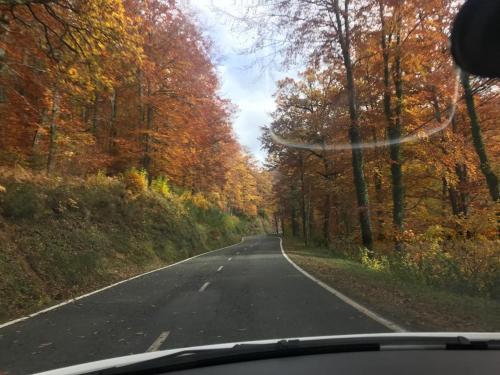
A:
{"points": [[475, 38]]}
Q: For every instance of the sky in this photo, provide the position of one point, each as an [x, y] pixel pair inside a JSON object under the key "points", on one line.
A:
{"points": [[248, 86]]}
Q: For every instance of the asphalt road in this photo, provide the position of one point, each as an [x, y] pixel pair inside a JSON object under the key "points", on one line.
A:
{"points": [[248, 291]]}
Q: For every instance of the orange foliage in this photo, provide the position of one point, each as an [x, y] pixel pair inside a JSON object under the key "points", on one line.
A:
{"points": [[139, 91]]}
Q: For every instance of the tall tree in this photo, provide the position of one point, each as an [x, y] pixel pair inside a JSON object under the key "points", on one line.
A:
{"points": [[477, 138], [325, 30], [394, 117]]}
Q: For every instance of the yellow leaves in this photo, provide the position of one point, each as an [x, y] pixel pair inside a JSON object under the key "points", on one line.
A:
{"points": [[96, 39], [241, 185], [73, 73], [251, 210], [160, 185], [200, 201], [166, 66], [217, 199], [136, 181]]}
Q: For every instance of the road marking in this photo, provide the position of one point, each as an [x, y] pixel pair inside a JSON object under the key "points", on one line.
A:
{"points": [[204, 286], [229, 259], [220, 268], [387, 323], [72, 300], [157, 343]]}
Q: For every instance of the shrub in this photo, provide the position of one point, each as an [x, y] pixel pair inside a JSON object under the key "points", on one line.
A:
{"points": [[376, 263], [100, 179], [136, 180], [200, 201], [101, 198], [21, 201], [184, 196], [463, 265], [216, 200], [231, 223], [56, 199], [160, 186], [36, 161]]}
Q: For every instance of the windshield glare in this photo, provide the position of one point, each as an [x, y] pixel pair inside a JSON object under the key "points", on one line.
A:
{"points": [[185, 173]]}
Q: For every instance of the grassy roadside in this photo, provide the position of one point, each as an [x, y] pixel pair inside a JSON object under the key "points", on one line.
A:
{"points": [[62, 239], [415, 306]]}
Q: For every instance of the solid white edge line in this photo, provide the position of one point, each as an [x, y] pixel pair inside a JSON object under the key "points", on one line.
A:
{"points": [[157, 343], [111, 286], [204, 286], [385, 322]]}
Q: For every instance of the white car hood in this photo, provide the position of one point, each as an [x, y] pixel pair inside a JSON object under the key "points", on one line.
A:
{"points": [[136, 358]]}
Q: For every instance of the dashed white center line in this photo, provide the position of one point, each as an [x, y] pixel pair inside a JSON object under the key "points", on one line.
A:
{"points": [[157, 343], [204, 286], [229, 259], [220, 268]]}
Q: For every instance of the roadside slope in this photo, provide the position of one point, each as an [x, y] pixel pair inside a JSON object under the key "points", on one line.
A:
{"points": [[61, 240], [416, 306]]}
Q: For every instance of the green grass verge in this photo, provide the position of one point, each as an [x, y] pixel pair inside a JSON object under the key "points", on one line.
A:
{"points": [[60, 240], [415, 306]]}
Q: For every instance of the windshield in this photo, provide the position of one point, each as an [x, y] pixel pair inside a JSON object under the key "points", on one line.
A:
{"points": [[185, 173]]}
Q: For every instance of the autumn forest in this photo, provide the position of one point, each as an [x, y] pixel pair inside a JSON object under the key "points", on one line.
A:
{"points": [[111, 85], [117, 153], [381, 142], [379, 150]]}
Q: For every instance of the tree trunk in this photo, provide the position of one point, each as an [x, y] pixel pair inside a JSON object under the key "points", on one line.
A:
{"points": [[458, 197], [379, 194], [463, 179], [293, 209], [140, 93], [53, 130], [477, 138], [112, 124], [85, 115], [461, 170], [310, 214], [327, 213], [354, 132], [295, 224], [394, 127], [147, 140], [36, 136], [147, 137], [327, 218], [395, 150], [94, 114], [303, 209], [454, 199]]}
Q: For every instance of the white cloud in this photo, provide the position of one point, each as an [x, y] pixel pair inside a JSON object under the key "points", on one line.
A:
{"points": [[246, 86]]}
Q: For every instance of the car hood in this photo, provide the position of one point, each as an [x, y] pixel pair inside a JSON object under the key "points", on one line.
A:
{"points": [[137, 358]]}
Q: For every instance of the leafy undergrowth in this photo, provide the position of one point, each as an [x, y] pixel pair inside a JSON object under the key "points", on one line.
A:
{"points": [[59, 239], [414, 305]]}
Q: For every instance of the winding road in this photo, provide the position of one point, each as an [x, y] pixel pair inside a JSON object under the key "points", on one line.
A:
{"points": [[247, 291]]}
